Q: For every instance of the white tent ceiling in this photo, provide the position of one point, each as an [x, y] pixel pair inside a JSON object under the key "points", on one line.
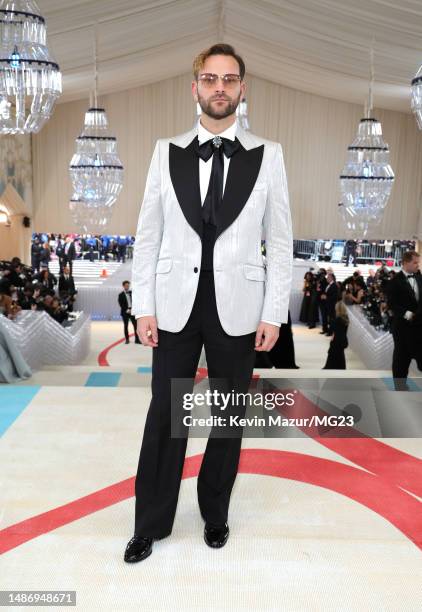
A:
{"points": [[319, 46]]}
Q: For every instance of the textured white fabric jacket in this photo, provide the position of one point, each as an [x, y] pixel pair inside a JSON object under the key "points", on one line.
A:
{"points": [[168, 247]]}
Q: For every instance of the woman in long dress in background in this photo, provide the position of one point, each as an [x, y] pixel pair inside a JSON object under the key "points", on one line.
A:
{"points": [[309, 308], [336, 359]]}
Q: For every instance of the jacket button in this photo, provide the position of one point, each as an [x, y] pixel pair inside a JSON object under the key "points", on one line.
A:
{"points": [[195, 270]]}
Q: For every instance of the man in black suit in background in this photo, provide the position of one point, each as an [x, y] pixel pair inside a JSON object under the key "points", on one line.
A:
{"points": [[322, 298], [125, 303], [404, 296], [351, 248], [69, 254], [331, 297], [67, 289]]}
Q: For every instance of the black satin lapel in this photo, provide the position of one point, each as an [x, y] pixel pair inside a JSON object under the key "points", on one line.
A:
{"points": [[243, 171], [406, 285], [184, 174]]}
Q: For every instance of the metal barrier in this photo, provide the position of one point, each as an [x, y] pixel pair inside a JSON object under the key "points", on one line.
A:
{"points": [[366, 252], [42, 341]]}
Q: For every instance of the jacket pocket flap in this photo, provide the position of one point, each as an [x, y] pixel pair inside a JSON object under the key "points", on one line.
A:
{"points": [[254, 272], [163, 265]]}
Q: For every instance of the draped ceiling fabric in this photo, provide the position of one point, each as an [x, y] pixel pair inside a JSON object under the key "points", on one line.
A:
{"points": [[307, 78]]}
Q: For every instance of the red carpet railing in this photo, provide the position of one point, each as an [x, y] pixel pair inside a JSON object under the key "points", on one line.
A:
{"points": [[42, 341]]}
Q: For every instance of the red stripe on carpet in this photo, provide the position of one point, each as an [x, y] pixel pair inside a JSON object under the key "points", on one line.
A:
{"points": [[398, 507], [397, 467]]}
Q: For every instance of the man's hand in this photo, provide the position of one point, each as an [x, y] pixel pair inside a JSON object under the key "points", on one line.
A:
{"points": [[147, 331], [266, 336], [409, 315]]}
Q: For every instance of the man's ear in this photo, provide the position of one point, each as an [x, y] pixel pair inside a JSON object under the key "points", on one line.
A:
{"points": [[195, 90]]}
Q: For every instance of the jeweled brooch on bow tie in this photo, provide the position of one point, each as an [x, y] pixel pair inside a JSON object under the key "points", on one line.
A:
{"points": [[216, 141]]}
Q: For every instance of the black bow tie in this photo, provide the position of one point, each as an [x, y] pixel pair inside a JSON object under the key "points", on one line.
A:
{"points": [[206, 149], [217, 147], [410, 276]]}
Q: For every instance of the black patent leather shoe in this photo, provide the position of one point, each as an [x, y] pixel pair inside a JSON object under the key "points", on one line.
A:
{"points": [[216, 537], [138, 549]]}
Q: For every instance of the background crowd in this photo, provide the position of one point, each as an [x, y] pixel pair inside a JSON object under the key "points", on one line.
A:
{"points": [[79, 246], [321, 292], [24, 288]]}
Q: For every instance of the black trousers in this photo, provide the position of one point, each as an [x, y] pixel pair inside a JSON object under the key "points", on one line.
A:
{"points": [[407, 346], [323, 310], [66, 261], [126, 318], [162, 457]]}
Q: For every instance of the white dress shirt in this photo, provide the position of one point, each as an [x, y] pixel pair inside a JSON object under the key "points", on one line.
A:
{"points": [[206, 166]]}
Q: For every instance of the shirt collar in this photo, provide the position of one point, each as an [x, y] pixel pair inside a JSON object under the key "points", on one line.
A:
{"points": [[204, 134], [408, 273]]}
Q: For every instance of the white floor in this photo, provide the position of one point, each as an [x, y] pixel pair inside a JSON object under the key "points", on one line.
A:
{"points": [[316, 525]]}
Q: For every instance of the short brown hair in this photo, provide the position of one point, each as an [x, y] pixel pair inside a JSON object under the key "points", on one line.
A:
{"points": [[218, 49], [409, 255]]}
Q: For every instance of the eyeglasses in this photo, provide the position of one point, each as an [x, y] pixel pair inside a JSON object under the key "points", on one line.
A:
{"points": [[209, 79]]}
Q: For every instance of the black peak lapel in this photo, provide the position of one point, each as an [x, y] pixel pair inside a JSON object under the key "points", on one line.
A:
{"points": [[184, 174], [243, 171], [406, 284]]}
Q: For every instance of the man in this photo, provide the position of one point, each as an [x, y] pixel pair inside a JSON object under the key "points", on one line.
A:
{"points": [[371, 280], [125, 303], [105, 243], [68, 254], [67, 289], [121, 248], [216, 184], [47, 280], [90, 245], [331, 297], [17, 275], [404, 297], [351, 249], [321, 286], [35, 254], [45, 255]]}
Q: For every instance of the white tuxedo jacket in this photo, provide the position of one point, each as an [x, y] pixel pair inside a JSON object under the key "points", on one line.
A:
{"points": [[168, 245]]}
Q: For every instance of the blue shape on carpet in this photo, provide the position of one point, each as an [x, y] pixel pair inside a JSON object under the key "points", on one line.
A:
{"points": [[389, 382], [103, 379], [13, 401], [145, 370]]}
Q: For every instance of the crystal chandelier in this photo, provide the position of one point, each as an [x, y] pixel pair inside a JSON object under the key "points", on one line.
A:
{"points": [[367, 177], [30, 81], [416, 101], [96, 171], [87, 218]]}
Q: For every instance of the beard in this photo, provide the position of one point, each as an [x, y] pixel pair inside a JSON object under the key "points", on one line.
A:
{"points": [[229, 108]]}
